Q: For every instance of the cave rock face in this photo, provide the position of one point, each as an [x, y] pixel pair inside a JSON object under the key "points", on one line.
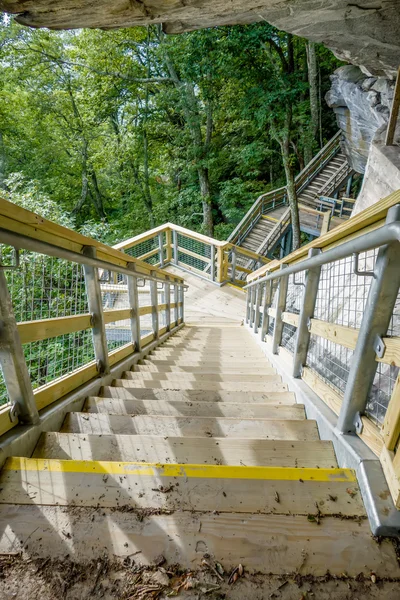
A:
{"points": [[363, 32], [362, 106]]}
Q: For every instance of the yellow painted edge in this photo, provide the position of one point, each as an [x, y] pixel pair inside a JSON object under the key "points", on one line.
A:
{"points": [[178, 470], [237, 287]]}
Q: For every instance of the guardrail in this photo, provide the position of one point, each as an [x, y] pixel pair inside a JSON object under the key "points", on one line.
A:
{"points": [[276, 198], [217, 261], [333, 309], [70, 309]]}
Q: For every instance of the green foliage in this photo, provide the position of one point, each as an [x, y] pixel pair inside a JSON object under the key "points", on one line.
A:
{"points": [[94, 121]]}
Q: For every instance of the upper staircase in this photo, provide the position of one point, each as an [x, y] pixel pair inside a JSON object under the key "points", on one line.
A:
{"points": [[319, 189]]}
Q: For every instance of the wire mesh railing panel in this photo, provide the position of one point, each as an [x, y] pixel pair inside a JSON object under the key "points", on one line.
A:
{"points": [[50, 359], [289, 337], [330, 361], [295, 293], [118, 333], [342, 295], [195, 247], [3, 390], [146, 323], [142, 248], [271, 325], [382, 389], [44, 287]]}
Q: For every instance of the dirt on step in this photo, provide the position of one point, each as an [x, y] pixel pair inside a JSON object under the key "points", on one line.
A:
{"points": [[49, 579]]}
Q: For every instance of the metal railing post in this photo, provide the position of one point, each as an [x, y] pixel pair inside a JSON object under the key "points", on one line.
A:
{"points": [[181, 307], [212, 262], [278, 325], [13, 364], [233, 274], [154, 308], [252, 297], [161, 248], [133, 299], [175, 238], [167, 288], [257, 308], [248, 306], [267, 304], [378, 312], [220, 264], [306, 313], [176, 297], [95, 303]]}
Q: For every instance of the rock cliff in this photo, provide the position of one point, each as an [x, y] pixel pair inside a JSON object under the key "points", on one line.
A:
{"points": [[363, 32]]}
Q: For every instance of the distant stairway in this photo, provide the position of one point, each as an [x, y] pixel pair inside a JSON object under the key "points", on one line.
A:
{"points": [[320, 188], [206, 445]]}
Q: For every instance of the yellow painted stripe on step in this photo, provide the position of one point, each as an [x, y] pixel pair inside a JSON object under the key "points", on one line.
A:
{"points": [[268, 218], [237, 287], [178, 470]]}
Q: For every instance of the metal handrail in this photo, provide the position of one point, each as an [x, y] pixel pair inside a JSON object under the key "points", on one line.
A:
{"points": [[384, 235]]}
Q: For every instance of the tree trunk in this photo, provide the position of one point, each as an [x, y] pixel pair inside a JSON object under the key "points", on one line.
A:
{"points": [[3, 163], [97, 198], [85, 184], [292, 196], [192, 118], [313, 82]]}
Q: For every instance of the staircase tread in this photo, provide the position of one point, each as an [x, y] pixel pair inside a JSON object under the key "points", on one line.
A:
{"points": [[192, 450], [196, 395], [196, 409], [203, 385], [190, 426]]}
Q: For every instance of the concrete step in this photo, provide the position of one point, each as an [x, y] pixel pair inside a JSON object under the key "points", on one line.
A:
{"points": [[188, 450], [205, 363], [100, 423], [209, 354], [128, 393], [273, 385], [267, 374], [176, 408]]}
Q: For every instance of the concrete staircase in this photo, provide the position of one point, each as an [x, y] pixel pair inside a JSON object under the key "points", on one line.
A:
{"points": [[200, 450]]}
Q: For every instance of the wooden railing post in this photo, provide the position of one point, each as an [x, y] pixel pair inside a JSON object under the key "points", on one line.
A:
{"points": [[394, 113], [95, 304], [133, 299], [168, 240], [220, 264], [13, 364], [278, 325]]}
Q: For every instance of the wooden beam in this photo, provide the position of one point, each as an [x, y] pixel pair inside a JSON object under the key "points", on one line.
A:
{"points": [[394, 113], [391, 424], [290, 318], [43, 329], [392, 352], [117, 314], [5, 423], [372, 436], [272, 312], [49, 393], [339, 334], [326, 221], [325, 392]]}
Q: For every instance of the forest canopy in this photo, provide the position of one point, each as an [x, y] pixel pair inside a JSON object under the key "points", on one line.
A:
{"points": [[118, 131]]}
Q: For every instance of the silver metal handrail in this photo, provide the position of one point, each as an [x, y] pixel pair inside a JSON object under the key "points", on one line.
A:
{"points": [[382, 297]]}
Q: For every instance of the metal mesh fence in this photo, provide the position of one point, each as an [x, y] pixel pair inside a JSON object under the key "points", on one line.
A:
{"points": [[330, 361], [342, 295], [196, 247], [289, 337], [381, 392], [3, 390], [52, 358], [44, 287], [142, 248], [295, 293]]}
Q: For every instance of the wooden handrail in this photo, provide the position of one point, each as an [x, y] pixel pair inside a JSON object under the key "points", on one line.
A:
{"points": [[23, 222]]}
